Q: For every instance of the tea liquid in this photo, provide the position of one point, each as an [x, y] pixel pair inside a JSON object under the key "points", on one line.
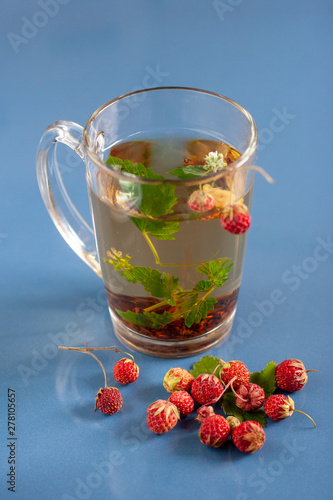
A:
{"points": [[199, 239]]}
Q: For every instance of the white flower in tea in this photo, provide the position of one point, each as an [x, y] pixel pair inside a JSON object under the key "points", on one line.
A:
{"points": [[214, 161]]}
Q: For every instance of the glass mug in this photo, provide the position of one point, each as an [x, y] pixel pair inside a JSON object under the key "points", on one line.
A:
{"points": [[171, 271]]}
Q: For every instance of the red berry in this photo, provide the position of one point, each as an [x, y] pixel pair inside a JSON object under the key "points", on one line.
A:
{"points": [[291, 375], [247, 436], [206, 389], [162, 416], [250, 396], [278, 407], [183, 401], [108, 400], [177, 379], [204, 412], [199, 201], [125, 371], [235, 218], [214, 431], [234, 370]]}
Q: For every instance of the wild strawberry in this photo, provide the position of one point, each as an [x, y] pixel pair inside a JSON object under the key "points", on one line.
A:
{"points": [[108, 400], [214, 431], [291, 375], [250, 396], [278, 407], [162, 416], [177, 379], [183, 401], [206, 389], [247, 436], [204, 412], [199, 201], [126, 371], [234, 370], [235, 218]]}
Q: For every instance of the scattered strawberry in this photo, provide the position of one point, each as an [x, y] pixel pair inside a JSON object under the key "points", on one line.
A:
{"points": [[126, 371], [204, 412], [162, 416], [214, 431], [177, 379], [108, 400], [278, 407], [235, 218], [291, 375], [206, 389], [183, 401], [250, 396], [234, 370], [247, 436], [199, 201]]}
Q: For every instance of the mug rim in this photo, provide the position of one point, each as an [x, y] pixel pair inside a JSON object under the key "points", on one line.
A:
{"points": [[239, 163]]}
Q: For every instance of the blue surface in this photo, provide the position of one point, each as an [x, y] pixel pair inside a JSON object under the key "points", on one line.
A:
{"points": [[271, 57]]}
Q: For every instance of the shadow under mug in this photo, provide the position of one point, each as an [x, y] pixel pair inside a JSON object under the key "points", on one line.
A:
{"points": [[171, 274]]}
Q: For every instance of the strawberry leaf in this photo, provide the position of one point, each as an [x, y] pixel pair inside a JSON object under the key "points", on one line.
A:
{"points": [[161, 230], [207, 364], [152, 200], [229, 407], [265, 378]]}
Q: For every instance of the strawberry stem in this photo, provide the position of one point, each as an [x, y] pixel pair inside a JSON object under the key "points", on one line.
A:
{"points": [[85, 349], [307, 371], [299, 411], [170, 264]]}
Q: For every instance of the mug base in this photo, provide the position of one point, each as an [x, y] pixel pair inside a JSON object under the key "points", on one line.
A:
{"points": [[170, 348]]}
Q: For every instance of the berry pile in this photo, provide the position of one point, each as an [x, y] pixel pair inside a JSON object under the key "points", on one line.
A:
{"points": [[247, 399]]}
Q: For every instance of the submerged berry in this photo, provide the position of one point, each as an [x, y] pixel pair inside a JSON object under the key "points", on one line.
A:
{"points": [[199, 201], [235, 218]]}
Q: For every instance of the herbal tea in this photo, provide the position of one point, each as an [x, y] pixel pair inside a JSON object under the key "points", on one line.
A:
{"points": [[171, 257]]}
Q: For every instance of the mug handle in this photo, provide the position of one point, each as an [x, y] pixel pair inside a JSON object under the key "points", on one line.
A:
{"points": [[71, 225]]}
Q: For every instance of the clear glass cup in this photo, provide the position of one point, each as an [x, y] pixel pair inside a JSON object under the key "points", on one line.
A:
{"points": [[166, 266]]}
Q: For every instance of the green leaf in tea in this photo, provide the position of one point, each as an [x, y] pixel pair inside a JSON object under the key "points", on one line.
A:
{"points": [[152, 200], [216, 270], [147, 320], [189, 172], [160, 230], [160, 285], [190, 305]]}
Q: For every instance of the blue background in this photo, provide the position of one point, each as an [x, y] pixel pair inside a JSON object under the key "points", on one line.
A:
{"points": [[273, 58]]}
